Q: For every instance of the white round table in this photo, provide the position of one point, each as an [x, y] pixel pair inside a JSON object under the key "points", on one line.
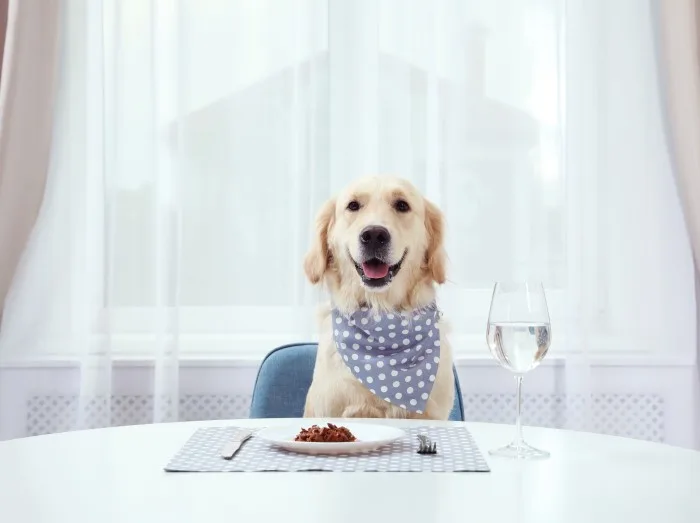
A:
{"points": [[116, 475]]}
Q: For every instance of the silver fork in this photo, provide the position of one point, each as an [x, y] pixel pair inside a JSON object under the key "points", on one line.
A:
{"points": [[235, 443], [425, 446]]}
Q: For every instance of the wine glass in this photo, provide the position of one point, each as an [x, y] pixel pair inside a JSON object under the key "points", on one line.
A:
{"points": [[518, 336]]}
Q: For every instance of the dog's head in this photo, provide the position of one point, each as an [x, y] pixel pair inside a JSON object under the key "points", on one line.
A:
{"points": [[377, 241]]}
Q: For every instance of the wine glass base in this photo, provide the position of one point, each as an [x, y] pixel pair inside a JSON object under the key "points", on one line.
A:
{"points": [[520, 451]]}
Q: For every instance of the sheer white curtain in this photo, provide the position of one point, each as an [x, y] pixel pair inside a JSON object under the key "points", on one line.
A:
{"points": [[195, 140]]}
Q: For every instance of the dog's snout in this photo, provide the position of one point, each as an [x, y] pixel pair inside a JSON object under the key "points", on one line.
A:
{"points": [[375, 237]]}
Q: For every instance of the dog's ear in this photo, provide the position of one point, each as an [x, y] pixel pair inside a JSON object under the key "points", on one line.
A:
{"points": [[435, 255], [319, 256]]}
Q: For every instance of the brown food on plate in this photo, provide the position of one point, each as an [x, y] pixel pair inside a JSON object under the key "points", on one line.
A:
{"points": [[329, 434]]}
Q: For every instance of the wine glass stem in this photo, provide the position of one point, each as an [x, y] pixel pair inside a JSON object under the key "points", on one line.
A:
{"points": [[518, 426]]}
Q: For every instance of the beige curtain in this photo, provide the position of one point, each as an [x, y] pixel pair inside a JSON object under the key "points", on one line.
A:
{"points": [[3, 29], [27, 93], [679, 60]]}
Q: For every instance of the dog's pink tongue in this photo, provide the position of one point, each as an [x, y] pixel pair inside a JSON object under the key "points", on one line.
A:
{"points": [[375, 270]]}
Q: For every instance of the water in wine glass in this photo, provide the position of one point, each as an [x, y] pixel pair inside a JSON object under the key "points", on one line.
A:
{"points": [[518, 336], [518, 346]]}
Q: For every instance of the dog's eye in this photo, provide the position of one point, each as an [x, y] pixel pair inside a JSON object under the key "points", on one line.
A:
{"points": [[402, 206], [353, 206]]}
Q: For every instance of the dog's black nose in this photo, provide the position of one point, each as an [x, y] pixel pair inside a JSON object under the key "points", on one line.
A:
{"points": [[375, 236]]}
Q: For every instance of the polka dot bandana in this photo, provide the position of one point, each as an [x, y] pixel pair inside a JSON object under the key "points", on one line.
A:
{"points": [[395, 355]]}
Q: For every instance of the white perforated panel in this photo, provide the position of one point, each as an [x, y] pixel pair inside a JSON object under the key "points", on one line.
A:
{"points": [[638, 416], [196, 407], [50, 414]]}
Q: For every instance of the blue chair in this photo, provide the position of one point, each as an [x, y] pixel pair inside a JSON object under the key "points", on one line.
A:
{"points": [[284, 379]]}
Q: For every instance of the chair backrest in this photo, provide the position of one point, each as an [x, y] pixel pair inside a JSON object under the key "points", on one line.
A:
{"points": [[284, 379]]}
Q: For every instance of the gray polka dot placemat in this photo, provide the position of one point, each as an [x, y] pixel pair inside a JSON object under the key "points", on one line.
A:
{"points": [[457, 452]]}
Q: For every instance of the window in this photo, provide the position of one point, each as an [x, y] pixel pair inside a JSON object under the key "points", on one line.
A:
{"points": [[214, 130]]}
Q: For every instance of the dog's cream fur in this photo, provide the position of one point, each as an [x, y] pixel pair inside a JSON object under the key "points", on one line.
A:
{"points": [[335, 392]]}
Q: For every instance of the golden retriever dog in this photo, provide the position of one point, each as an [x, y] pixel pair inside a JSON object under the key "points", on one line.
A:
{"points": [[378, 248]]}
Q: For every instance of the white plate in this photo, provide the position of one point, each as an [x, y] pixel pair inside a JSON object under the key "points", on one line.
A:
{"points": [[369, 437]]}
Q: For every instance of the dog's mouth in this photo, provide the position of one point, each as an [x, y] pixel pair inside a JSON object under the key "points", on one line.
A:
{"points": [[377, 273]]}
